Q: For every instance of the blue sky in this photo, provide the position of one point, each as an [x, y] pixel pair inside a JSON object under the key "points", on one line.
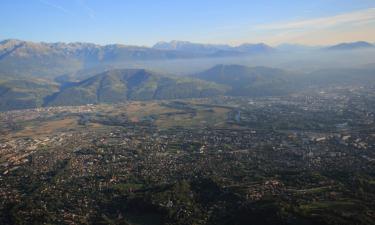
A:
{"points": [[144, 22]]}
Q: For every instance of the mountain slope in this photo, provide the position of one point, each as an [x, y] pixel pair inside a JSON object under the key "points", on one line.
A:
{"points": [[133, 84], [246, 81], [22, 93]]}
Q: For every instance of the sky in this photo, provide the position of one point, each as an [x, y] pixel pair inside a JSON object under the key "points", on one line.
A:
{"points": [[145, 22]]}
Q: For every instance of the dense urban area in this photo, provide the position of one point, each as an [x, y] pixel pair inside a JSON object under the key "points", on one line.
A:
{"points": [[303, 158]]}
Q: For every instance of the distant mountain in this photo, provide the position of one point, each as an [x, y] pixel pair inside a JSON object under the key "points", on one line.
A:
{"points": [[214, 50], [254, 48], [191, 47], [296, 47], [248, 81], [351, 46], [133, 84]]}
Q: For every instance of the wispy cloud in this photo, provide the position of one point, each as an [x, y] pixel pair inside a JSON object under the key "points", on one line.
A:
{"points": [[361, 16], [55, 6], [81, 4], [90, 12]]}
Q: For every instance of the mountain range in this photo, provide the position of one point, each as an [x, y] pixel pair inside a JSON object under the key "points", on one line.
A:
{"points": [[52, 59], [23, 58], [20, 58], [214, 50]]}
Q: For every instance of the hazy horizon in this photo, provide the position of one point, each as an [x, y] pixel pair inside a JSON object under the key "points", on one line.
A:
{"points": [[191, 42]]}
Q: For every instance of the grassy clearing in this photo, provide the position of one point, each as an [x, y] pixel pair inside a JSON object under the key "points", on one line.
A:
{"points": [[46, 128]]}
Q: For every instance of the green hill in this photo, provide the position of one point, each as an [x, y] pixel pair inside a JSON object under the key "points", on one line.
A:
{"points": [[133, 84]]}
